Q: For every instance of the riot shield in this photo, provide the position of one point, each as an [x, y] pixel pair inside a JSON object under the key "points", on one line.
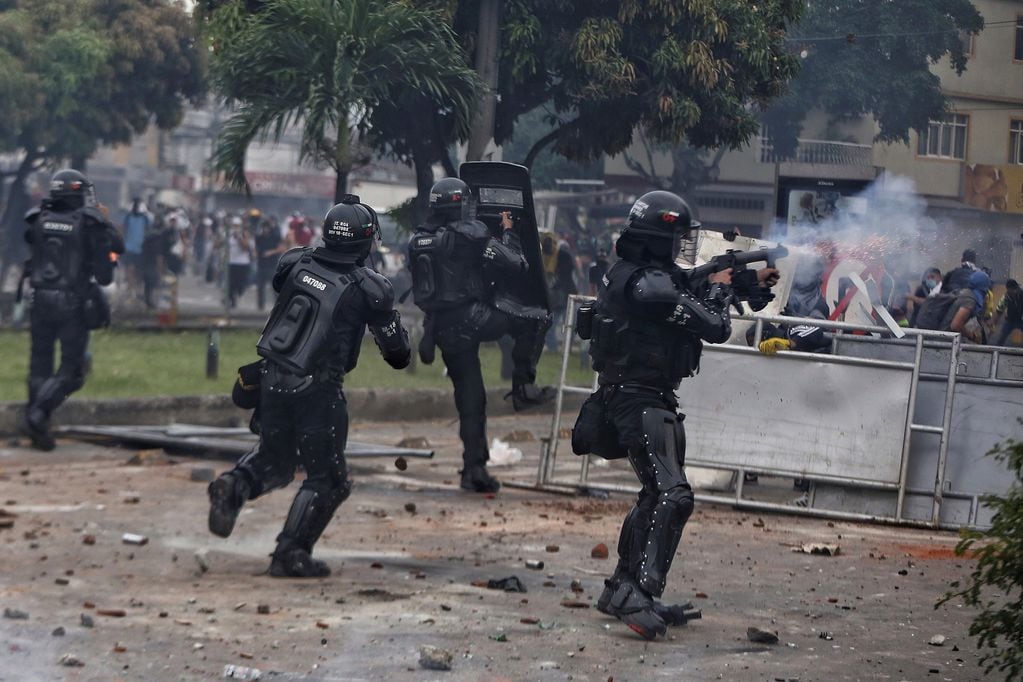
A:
{"points": [[497, 187]]}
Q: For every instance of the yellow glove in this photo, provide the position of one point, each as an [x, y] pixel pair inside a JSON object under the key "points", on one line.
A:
{"points": [[772, 346]]}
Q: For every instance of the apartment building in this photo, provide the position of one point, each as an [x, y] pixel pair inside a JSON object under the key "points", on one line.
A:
{"points": [[968, 165]]}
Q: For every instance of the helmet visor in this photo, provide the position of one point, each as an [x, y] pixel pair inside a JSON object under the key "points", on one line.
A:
{"points": [[684, 245]]}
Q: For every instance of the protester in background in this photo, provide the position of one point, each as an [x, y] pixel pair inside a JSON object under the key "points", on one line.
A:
{"points": [[135, 223], [598, 268], [239, 260], [299, 231], [962, 315], [1010, 307], [930, 286], [153, 250], [269, 247], [559, 267], [959, 278], [203, 228]]}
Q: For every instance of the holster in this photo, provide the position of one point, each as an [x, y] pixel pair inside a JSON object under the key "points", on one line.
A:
{"points": [[594, 433], [428, 345]]}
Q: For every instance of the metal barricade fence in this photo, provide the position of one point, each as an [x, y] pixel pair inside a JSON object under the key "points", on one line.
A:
{"points": [[854, 427]]}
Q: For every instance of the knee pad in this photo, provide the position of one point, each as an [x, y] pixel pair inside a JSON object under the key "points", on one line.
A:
{"points": [[681, 502]]}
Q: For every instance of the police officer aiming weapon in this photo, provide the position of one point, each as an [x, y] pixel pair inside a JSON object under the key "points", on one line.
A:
{"points": [[647, 330], [745, 284], [327, 299], [72, 241]]}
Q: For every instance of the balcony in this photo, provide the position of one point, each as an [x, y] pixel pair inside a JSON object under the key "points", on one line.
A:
{"points": [[821, 152]]}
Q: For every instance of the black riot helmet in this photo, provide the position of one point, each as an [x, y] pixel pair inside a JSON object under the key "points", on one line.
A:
{"points": [[660, 221], [448, 195], [350, 228], [71, 188]]}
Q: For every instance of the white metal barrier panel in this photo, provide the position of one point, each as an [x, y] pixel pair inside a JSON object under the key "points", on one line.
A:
{"points": [[869, 425]]}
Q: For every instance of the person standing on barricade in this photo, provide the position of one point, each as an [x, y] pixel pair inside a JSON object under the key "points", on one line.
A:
{"points": [[327, 298], [646, 330], [72, 240], [453, 260]]}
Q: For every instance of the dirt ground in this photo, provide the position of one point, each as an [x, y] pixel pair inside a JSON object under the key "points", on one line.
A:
{"points": [[406, 549]]}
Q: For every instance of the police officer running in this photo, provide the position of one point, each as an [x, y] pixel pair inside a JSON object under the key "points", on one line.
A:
{"points": [[455, 264], [647, 329], [71, 240], [327, 298]]}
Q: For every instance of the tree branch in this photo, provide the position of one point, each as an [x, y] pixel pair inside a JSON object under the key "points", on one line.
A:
{"points": [[542, 143]]}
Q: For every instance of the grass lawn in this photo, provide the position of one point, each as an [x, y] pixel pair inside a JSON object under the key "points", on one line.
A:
{"points": [[133, 363]]}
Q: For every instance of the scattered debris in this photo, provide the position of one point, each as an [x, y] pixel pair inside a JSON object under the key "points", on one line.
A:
{"points": [[7, 519], [120, 648], [263, 609], [58, 631], [414, 442], [445, 607], [818, 548], [434, 658], [410, 507], [550, 665], [71, 661], [15, 614], [62, 581], [201, 474], [574, 604], [322, 625], [376, 564], [86, 620], [755, 634], [88, 539], [378, 594], [502, 454], [823, 634], [937, 640], [149, 458], [759, 523], [240, 672], [520, 436], [595, 493], [182, 621], [700, 595], [202, 559], [112, 613], [509, 584], [239, 606], [534, 564], [599, 551], [529, 620], [401, 464], [552, 548], [576, 586], [134, 539], [499, 637]]}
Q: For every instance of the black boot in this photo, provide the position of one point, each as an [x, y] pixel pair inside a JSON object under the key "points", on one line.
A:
{"points": [[636, 609], [671, 614], [36, 425], [526, 396], [227, 495], [477, 479], [297, 563]]}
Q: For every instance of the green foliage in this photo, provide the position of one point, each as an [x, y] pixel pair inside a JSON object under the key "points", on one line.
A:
{"points": [[996, 584], [79, 74], [872, 57], [327, 67]]}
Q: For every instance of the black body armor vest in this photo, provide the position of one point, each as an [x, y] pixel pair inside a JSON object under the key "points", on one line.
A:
{"points": [[299, 334], [59, 250], [629, 348], [447, 267]]}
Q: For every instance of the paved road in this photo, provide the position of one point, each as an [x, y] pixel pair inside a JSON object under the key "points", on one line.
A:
{"points": [[403, 578]]}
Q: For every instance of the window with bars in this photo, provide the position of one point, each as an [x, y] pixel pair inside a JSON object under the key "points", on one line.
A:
{"points": [[945, 139], [1016, 142]]}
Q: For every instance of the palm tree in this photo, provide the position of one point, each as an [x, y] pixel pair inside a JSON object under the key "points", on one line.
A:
{"points": [[324, 66]]}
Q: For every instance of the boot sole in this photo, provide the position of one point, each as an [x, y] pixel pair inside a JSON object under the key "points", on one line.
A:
{"points": [[637, 624], [222, 516]]}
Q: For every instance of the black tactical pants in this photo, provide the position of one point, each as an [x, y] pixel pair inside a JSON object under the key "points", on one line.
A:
{"points": [[645, 427], [459, 333], [57, 315], [307, 426]]}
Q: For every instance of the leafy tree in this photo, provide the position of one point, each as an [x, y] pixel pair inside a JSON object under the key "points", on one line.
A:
{"points": [[547, 166], [996, 584], [353, 75], [872, 57], [75, 75]]}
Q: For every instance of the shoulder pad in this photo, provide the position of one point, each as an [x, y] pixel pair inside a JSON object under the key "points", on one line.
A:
{"points": [[378, 289], [32, 214], [292, 256], [473, 229], [653, 286]]}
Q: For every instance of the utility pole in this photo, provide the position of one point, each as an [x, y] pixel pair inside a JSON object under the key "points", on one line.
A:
{"points": [[488, 47]]}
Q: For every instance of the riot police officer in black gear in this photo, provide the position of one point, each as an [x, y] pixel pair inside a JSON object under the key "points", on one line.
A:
{"points": [[646, 330], [454, 263], [327, 299], [71, 241]]}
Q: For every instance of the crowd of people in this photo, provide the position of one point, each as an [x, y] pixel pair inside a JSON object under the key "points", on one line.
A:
{"points": [[243, 247]]}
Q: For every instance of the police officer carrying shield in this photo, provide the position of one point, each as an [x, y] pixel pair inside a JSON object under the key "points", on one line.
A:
{"points": [[455, 263], [327, 298], [646, 330], [71, 242]]}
